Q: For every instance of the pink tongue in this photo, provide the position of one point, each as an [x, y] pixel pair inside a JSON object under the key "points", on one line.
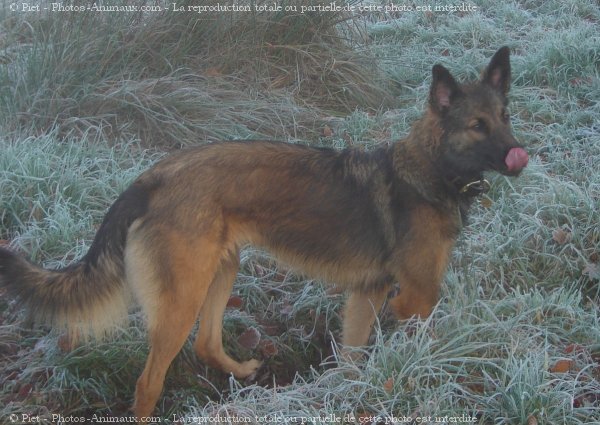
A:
{"points": [[516, 159]]}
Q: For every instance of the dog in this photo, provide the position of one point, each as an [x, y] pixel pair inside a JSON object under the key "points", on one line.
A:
{"points": [[364, 220]]}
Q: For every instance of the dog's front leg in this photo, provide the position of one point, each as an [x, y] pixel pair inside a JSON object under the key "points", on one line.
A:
{"points": [[359, 316]]}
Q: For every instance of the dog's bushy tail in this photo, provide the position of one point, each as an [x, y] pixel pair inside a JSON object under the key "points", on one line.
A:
{"points": [[90, 296], [83, 299]]}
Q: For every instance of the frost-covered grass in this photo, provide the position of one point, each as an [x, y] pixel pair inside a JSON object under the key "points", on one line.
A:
{"points": [[515, 338]]}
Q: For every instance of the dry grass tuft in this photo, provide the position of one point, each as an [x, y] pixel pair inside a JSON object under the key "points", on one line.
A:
{"points": [[178, 78]]}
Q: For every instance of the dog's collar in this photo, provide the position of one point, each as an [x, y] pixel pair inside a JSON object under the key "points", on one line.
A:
{"points": [[475, 188]]}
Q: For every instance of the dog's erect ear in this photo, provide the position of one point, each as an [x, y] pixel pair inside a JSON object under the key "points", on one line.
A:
{"points": [[497, 74], [444, 89]]}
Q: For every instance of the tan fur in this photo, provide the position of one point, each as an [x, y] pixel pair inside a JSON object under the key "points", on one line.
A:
{"points": [[184, 265]]}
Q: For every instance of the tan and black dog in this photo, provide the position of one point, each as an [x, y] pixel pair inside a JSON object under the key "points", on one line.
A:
{"points": [[363, 220]]}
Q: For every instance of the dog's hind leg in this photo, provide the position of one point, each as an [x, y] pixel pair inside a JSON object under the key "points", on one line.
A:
{"points": [[171, 281], [359, 316], [209, 341]]}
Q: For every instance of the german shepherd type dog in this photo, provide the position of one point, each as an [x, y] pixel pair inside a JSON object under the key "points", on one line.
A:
{"points": [[364, 220]]}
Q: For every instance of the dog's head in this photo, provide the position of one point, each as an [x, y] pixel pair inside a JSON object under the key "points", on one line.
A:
{"points": [[474, 121]]}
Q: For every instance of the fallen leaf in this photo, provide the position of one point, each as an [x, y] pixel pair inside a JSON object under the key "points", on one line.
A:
{"points": [[334, 290], [580, 81], [235, 302], [574, 348], [561, 236], [250, 338], [364, 418], [278, 277], [268, 348], [531, 420], [347, 138], [562, 366], [388, 385], [590, 399], [213, 72], [24, 391], [260, 270], [271, 329], [539, 317], [327, 131]]}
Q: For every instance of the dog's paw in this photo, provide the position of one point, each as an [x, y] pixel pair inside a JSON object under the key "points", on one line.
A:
{"points": [[248, 369]]}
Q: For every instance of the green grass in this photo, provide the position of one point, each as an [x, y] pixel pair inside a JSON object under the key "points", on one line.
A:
{"points": [[515, 338]]}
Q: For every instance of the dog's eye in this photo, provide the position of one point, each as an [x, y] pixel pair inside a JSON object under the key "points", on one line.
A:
{"points": [[478, 125]]}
